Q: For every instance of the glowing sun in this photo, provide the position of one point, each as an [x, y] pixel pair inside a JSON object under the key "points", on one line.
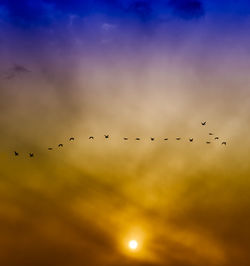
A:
{"points": [[133, 244]]}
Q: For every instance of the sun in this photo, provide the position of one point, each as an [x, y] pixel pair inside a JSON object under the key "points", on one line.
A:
{"points": [[133, 244]]}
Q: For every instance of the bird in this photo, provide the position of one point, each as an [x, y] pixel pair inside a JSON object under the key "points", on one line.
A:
{"points": [[191, 140], [137, 139], [208, 142], [166, 139], [72, 139], [16, 153], [211, 134], [60, 145], [91, 137], [106, 136], [178, 138], [50, 149], [216, 138], [204, 123], [224, 143], [152, 139], [125, 138], [31, 154]]}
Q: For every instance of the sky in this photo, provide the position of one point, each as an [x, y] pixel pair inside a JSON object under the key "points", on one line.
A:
{"points": [[134, 69]]}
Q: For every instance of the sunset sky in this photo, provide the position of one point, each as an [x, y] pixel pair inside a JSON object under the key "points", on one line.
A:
{"points": [[134, 69]]}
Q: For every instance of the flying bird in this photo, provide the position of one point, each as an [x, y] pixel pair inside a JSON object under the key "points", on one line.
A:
{"points": [[166, 139], [31, 154], [204, 123], [106, 136], [91, 137], [60, 145], [152, 139], [71, 139], [216, 138], [191, 140], [16, 153], [224, 143], [211, 134]]}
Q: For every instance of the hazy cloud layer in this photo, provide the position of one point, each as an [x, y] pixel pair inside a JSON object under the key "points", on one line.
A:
{"points": [[78, 69]]}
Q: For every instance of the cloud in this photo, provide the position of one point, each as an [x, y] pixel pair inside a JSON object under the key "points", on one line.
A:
{"points": [[15, 71], [20, 69], [28, 14], [187, 9], [39, 13], [108, 26], [43, 12], [142, 9]]}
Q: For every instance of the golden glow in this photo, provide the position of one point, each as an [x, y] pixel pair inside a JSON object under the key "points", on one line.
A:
{"points": [[133, 244]]}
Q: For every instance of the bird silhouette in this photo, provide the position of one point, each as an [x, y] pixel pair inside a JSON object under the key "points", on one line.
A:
{"points": [[71, 139], [31, 154], [204, 123], [125, 138], [224, 143], [50, 149], [191, 140], [166, 139], [106, 136], [216, 138], [60, 145], [208, 142], [178, 138], [16, 153], [211, 134], [137, 139], [152, 139], [91, 137]]}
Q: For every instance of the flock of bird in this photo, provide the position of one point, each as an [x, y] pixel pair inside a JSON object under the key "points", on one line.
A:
{"points": [[60, 145], [17, 70]]}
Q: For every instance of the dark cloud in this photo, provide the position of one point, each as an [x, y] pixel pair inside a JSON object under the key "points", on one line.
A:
{"points": [[27, 13], [38, 13], [187, 9], [19, 69], [141, 9], [16, 70]]}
